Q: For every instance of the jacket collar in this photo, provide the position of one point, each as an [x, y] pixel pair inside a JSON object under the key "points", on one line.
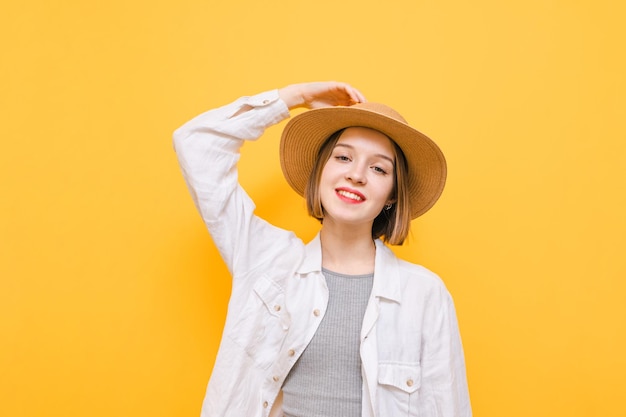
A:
{"points": [[387, 283], [312, 257]]}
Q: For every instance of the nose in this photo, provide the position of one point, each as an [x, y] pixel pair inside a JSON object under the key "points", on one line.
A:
{"points": [[356, 174]]}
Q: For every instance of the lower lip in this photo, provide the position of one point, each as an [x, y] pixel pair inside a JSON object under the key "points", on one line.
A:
{"points": [[349, 200]]}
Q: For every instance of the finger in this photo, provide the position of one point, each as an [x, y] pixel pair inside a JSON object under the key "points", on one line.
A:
{"points": [[361, 96], [355, 95]]}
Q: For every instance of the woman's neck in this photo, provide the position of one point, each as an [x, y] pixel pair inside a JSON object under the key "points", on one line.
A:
{"points": [[347, 251]]}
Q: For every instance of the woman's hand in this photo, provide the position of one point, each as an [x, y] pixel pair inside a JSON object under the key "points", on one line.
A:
{"points": [[320, 94]]}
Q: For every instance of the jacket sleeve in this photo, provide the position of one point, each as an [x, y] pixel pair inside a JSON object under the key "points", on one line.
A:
{"points": [[207, 148], [444, 383]]}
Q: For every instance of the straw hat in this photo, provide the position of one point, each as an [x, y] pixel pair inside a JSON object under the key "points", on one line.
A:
{"points": [[305, 133]]}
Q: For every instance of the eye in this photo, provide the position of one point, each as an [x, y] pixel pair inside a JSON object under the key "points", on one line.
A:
{"points": [[379, 170], [342, 158]]}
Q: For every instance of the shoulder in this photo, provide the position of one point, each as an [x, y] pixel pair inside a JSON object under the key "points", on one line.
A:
{"points": [[407, 269], [413, 278], [424, 290], [274, 256], [282, 251], [418, 275], [416, 271]]}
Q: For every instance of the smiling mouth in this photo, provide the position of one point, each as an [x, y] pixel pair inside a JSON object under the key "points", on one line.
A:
{"points": [[350, 195]]}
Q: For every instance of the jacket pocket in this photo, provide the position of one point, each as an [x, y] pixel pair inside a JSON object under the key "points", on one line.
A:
{"points": [[398, 389], [262, 325]]}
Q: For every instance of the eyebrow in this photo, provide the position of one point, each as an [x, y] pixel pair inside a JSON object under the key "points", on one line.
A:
{"points": [[380, 155]]}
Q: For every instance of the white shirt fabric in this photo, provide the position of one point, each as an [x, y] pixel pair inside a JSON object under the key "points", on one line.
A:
{"points": [[411, 353]]}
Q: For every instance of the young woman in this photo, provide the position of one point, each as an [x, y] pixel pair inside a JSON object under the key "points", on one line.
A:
{"points": [[338, 327]]}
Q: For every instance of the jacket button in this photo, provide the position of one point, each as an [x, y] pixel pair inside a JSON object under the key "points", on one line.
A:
{"points": [[316, 312], [275, 378], [277, 307], [409, 382], [265, 404], [291, 352]]}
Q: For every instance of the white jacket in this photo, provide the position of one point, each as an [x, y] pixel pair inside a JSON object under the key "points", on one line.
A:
{"points": [[411, 353]]}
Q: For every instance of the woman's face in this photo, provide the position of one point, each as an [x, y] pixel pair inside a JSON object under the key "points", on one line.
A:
{"points": [[358, 179]]}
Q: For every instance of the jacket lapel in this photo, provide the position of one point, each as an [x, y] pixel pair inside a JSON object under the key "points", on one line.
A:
{"points": [[387, 284]]}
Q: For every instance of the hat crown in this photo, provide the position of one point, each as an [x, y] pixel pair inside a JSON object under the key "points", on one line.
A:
{"points": [[381, 109]]}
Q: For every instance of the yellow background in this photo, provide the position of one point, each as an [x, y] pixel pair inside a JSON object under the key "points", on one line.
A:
{"points": [[112, 296]]}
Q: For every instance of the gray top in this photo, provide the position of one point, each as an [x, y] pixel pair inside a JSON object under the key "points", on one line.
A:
{"points": [[326, 381]]}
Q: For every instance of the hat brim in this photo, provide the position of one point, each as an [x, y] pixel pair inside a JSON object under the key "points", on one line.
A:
{"points": [[305, 133]]}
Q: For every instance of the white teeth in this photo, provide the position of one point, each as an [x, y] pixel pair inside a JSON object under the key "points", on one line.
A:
{"points": [[349, 195]]}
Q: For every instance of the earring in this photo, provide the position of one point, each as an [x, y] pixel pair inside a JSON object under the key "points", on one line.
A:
{"points": [[388, 206]]}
